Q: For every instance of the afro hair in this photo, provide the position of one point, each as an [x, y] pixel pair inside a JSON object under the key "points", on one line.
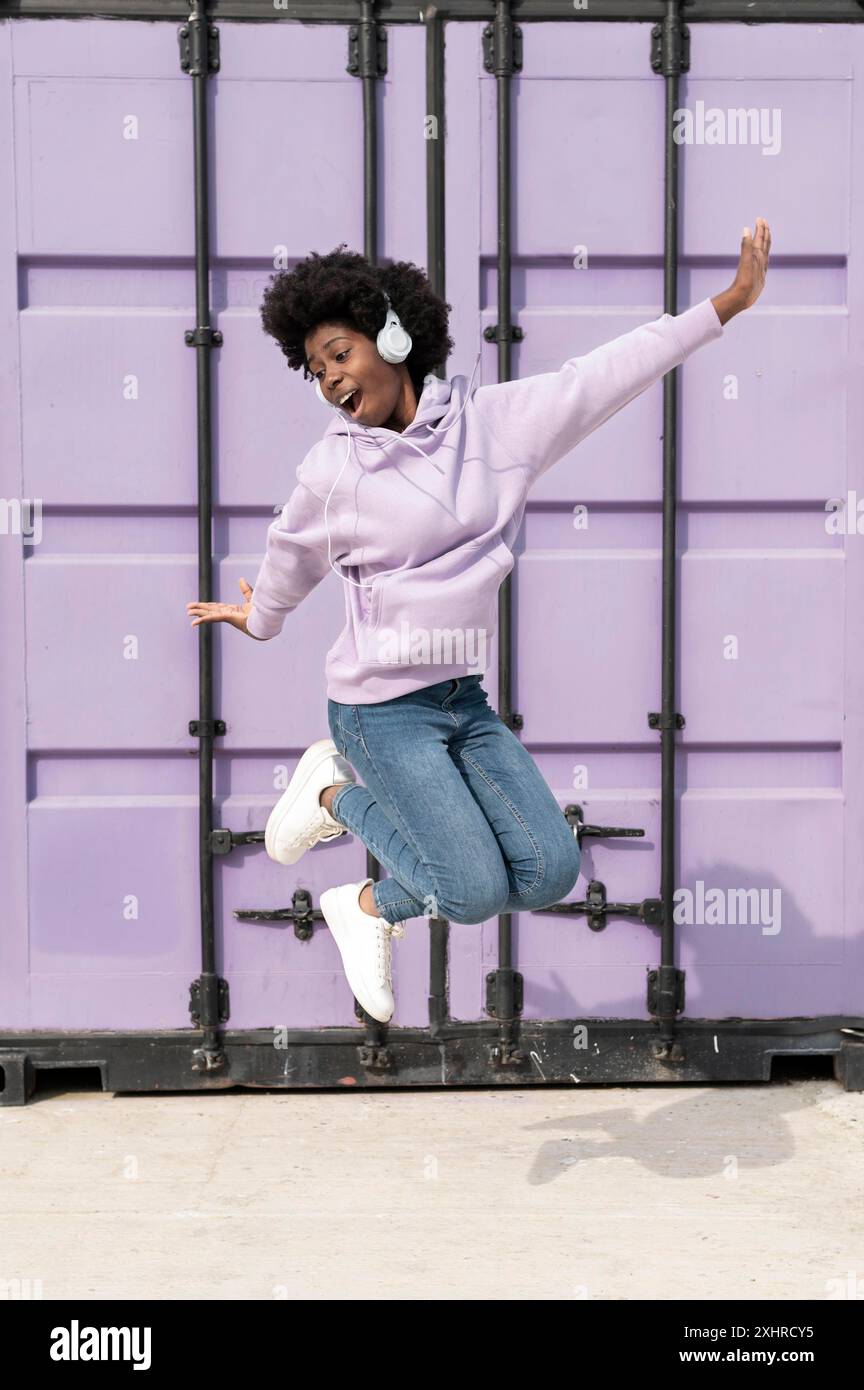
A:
{"points": [[345, 287]]}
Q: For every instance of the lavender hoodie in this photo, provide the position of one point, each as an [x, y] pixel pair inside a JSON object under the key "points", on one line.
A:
{"points": [[420, 524]]}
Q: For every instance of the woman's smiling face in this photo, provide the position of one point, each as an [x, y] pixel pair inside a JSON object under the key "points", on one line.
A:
{"points": [[343, 360]]}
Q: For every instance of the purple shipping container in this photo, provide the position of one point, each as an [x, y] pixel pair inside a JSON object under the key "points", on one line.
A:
{"points": [[100, 452]]}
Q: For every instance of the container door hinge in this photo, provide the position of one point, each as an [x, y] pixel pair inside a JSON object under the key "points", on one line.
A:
{"points": [[665, 991], [367, 49], [301, 913], [502, 46], [214, 990], [207, 728], [666, 721], [504, 987], [196, 34], [670, 46]]}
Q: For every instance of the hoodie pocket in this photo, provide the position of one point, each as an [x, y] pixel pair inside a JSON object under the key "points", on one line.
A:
{"points": [[441, 613], [373, 604]]}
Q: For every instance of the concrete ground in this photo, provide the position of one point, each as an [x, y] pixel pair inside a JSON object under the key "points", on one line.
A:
{"points": [[739, 1191]]}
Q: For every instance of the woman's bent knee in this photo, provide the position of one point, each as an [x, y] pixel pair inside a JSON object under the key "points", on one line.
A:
{"points": [[476, 902], [560, 877]]}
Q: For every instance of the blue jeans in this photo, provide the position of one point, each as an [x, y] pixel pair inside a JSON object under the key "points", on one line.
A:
{"points": [[452, 805]]}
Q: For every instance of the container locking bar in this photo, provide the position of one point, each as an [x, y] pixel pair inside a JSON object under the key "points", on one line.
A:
{"points": [[575, 818], [595, 906], [502, 58], [670, 59], [223, 841], [301, 913], [597, 909], [209, 1003]]}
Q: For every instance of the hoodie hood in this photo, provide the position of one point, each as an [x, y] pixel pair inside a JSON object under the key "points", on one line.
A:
{"points": [[439, 403], [431, 406]]}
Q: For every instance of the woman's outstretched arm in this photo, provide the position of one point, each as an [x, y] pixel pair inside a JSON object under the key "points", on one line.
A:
{"points": [[296, 560], [539, 419]]}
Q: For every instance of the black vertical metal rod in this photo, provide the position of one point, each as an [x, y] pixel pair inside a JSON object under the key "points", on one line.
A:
{"points": [[368, 72], [198, 26], [369, 78], [439, 1006], [672, 39], [435, 146], [503, 70], [367, 53]]}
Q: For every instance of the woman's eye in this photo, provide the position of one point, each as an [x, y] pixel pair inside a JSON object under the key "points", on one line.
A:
{"points": [[343, 353]]}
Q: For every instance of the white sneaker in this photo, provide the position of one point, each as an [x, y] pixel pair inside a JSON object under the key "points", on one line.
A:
{"points": [[364, 945], [297, 821]]}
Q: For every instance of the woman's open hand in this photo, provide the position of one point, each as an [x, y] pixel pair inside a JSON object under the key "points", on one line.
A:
{"points": [[233, 613], [749, 279], [753, 266], [750, 275]]}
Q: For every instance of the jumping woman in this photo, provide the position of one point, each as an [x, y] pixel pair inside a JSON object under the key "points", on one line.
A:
{"points": [[414, 495]]}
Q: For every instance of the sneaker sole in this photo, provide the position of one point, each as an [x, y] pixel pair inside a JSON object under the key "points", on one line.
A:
{"points": [[311, 759]]}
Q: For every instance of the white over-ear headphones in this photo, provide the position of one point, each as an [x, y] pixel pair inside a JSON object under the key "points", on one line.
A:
{"points": [[393, 341], [393, 344]]}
